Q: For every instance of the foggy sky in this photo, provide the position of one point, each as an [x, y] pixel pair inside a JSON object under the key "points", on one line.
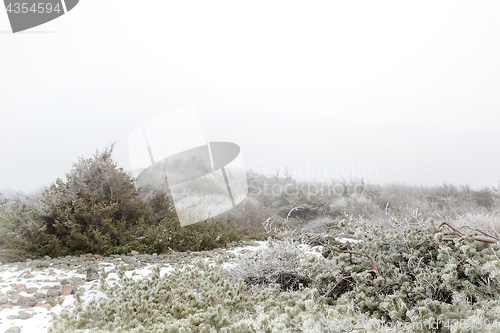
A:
{"points": [[409, 91]]}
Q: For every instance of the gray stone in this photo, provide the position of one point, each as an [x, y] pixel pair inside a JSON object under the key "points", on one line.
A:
{"points": [[13, 329], [53, 292], [23, 302], [124, 257], [77, 281], [4, 299], [67, 281], [32, 290], [24, 315], [134, 253], [34, 263], [39, 295], [44, 263]]}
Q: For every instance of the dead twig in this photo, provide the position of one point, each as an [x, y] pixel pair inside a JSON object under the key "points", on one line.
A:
{"points": [[457, 232], [351, 252], [487, 235], [461, 236]]}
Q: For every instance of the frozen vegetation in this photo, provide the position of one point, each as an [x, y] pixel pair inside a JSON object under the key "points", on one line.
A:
{"points": [[401, 270]]}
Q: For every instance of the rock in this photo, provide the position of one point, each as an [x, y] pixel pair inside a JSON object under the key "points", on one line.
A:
{"points": [[32, 290], [4, 299], [66, 290], [14, 329], [45, 306], [97, 256], [77, 281], [20, 285], [88, 258], [134, 253], [44, 263], [24, 315], [92, 274], [15, 297], [67, 281], [23, 302], [39, 295], [53, 292], [34, 263]]}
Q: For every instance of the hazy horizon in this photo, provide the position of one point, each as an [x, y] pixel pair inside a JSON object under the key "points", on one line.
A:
{"points": [[405, 92]]}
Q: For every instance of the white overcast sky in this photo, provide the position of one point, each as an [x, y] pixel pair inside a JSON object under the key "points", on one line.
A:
{"points": [[409, 89]]}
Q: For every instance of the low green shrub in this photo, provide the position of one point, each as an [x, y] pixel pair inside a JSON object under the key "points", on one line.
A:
{"points": [[20, 229], [98, 209], [421, 278], [425, 285]]}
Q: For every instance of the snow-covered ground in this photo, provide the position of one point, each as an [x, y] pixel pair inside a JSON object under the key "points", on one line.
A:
{"points": [[39, 322]]}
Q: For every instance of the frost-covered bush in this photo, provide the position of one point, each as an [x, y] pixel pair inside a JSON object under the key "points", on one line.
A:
{"points": [[248, 217], [93, 207], [425, 285], [274, 265], [194, 299], [356, 205], [318, 225], [487, 222], [98, 209], [421, 277], [19, 226]]}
